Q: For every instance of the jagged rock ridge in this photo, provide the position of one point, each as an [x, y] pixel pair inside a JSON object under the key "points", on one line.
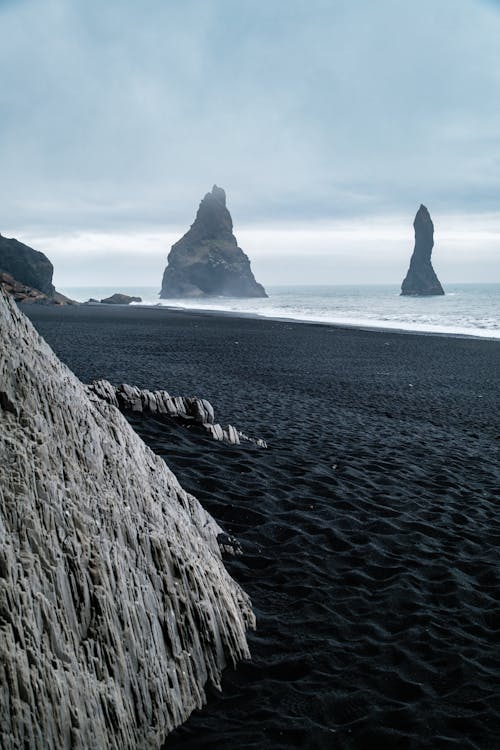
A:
{"points": [[421, 279], [184, 408], [207, 261], [115, 606]]}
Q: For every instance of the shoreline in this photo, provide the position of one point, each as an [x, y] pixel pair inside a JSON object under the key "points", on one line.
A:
{"points": [[236, 314]]}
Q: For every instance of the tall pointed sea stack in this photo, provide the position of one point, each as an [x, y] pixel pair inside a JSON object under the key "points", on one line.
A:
{"points": [[421, 279], [116, 610], [207, 261]]}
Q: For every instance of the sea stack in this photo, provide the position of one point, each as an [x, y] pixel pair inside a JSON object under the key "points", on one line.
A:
{"points": [[116, 611], [421, 279], [207, 261]]}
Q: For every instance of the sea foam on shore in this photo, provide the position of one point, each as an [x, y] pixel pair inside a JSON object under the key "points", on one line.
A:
{"points": [[466, 309]]}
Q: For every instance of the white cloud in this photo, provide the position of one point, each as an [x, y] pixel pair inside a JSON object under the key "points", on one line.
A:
{"points": [[361, 251]]}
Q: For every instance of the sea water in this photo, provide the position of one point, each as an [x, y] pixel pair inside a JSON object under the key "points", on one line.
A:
{"points": [[465, 309]]}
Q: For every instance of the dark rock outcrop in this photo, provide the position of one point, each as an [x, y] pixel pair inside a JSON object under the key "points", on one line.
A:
{"points": [[421, 279], [20, 292], [188, 409], [29, 296], [120, 299], [116, 610], [27, 266], [26, 274], [207, 261]]}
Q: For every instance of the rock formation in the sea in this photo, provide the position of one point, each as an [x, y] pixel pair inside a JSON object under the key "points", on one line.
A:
{"points": [[120, 299], [26, 274], [207, 261], [116, 610], [421, 279], [186, 409]]}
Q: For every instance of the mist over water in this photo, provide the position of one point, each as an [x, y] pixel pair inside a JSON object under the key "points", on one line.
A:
{"points": [[466, 309]]}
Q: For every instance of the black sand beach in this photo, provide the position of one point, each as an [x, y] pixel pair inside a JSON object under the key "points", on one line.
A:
{"points": [[370, 526]]}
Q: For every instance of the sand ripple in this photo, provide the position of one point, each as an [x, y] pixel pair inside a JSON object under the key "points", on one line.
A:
{"points": [[370, 527]]}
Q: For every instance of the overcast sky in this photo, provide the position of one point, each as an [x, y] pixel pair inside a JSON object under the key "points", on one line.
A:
{"points": [[328, 122]]}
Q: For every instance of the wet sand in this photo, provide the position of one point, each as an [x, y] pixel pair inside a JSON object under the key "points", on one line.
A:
{"points": [[370, 526]]}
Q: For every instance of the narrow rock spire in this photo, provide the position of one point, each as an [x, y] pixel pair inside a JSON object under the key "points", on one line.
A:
{"points": [[421, 279]]}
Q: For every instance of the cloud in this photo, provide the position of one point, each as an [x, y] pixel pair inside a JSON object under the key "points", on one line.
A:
{"points": [[348, 251], [118, 116]]}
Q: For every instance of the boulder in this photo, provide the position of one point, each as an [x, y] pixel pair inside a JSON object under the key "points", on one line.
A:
{"points": [[421, 279], [119, 299], [207, 261]]}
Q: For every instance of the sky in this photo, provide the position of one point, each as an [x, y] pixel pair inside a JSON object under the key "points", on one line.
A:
{"points": [[327, 122]]}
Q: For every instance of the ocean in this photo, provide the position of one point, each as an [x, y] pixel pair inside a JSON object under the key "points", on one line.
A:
{"points": [[466, 309]]}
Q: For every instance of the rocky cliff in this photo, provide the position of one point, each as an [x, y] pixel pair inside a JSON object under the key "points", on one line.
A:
{"points": [[207, 261], [421, 279], [26, 274], [115, 607], [27, 266]]}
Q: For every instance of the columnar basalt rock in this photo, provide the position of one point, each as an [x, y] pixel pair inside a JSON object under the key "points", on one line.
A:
{"points": [[183, 408], [421, 279], [116, 610], [207, 261]]}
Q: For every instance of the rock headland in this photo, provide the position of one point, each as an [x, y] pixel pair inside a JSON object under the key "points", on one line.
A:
{"points": [[207, 261], [26, 274], [421, 279], [116, 610]]}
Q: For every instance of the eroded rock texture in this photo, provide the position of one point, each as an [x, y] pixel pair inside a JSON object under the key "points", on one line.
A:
{"points": [[421, 279], [28, 295], [115, 607], [207, 261]]}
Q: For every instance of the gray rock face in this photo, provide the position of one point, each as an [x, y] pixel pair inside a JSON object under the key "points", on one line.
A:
{"points": [[421, 279], [27, 266], [207, 261], [115, 607], [120, 299]]}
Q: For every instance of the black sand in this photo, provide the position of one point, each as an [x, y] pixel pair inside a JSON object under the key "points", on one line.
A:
{"points": [[370, 527]]}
